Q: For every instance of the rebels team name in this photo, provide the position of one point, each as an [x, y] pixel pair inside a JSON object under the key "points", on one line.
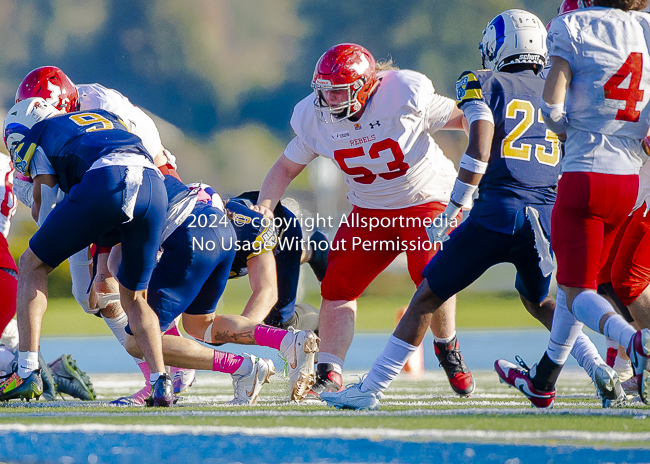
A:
{"points": [[361, 140]]}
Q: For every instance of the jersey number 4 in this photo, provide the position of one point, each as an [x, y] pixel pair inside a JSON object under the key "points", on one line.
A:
{"points": [[522, 151], [362, 175], [632, 67]]}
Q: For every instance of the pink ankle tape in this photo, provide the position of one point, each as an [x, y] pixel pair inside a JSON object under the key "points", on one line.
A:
{"points": [[226, 362], [269, 336], [173, 330]]}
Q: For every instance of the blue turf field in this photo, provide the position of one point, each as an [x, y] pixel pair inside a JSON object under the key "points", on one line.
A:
{"points": [[78, 446]]}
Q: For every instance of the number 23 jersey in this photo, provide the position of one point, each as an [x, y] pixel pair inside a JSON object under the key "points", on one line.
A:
{"points": [[388, 156], [607, 99], [524, 163]]}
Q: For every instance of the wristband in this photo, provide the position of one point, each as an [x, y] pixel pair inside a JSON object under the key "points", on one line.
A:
{"points": [[473, 165]]}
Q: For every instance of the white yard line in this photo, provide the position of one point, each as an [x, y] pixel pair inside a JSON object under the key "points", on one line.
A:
{"points": [[336, 432]]}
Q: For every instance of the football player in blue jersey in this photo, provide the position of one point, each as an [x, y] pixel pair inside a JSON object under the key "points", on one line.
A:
{"points": [[274, 278], [108, 176], [199, 245], [513, 160]]}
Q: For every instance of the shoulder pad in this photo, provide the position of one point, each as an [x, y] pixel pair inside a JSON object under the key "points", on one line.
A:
{"points": [[468, 88]]}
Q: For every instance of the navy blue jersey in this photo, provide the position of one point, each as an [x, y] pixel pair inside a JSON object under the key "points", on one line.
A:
{"points": [[255, 234], [73, 142], [524, 163]]}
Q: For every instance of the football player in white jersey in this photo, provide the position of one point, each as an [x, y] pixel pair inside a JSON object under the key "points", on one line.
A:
{"points": [[53, 85], [596, 96], [375, 123]]}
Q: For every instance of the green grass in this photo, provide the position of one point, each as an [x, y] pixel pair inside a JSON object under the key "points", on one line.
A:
{"points": [[414, 405], [376, 312]]}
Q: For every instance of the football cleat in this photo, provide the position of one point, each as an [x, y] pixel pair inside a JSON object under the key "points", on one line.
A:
{"points": [[639, 352], [608, 387], [15, 387], [352, 398], [328, 379], [49, 384], [460, 378], [631, 386], [247, 386], [182, 379], [162, 393], [139, 398], [318, 259], [70, 379], [513, 376], [299, 356]]}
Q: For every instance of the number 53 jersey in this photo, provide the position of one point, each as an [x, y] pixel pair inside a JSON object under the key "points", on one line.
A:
{"points": [[607, 99], [388, 156]]}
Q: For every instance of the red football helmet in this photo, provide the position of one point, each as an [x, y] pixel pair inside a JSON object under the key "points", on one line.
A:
{"points": [[51, 84], [570, 5], [344, 79]]}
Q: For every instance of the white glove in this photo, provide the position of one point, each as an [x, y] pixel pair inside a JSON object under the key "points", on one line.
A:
{"points": [[24, 190], [438, 229]]}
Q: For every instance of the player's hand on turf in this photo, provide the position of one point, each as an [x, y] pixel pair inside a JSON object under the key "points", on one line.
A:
{"points": [[262, 210]]}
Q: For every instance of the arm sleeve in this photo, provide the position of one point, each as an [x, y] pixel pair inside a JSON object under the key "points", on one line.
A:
{"points": [[476, 110], [298, 152]]}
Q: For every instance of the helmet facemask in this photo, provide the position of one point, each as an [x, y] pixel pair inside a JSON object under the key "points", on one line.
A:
{"points": [[347, 106]]}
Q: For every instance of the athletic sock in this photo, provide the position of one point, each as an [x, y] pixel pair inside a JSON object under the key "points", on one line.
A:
{"points": [[447, 340], [266, 335], [619, 329], [227, 362], [564, 331], [622, 365], [586, 353], [6, 358], [544, 374], [173, 330], [589, 307], [329, 358], [388, 365], [27, 363], [154, 376], [144, 368], [118, 326]]}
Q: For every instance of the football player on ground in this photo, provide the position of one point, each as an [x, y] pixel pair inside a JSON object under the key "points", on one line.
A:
{"points": [[593, 51], [107, 175], [279, 272], [511, 217], [190, 278], [53, 85], [375, 123]]}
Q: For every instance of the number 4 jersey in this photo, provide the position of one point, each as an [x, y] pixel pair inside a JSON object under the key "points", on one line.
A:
{"points": [[607, 99], [524, 162], [388, 156]]}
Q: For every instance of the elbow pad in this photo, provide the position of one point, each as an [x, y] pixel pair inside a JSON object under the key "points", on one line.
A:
{"points": [[554, 116]]}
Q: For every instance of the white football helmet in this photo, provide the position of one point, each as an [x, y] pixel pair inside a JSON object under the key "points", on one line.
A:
{"points": [[513, 37], [22, 117]]}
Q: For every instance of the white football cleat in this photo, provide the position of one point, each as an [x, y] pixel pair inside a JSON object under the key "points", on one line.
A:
{"points": [[182, 379], [352, 398], [247, 387], [608, 387], [299, 356]]}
